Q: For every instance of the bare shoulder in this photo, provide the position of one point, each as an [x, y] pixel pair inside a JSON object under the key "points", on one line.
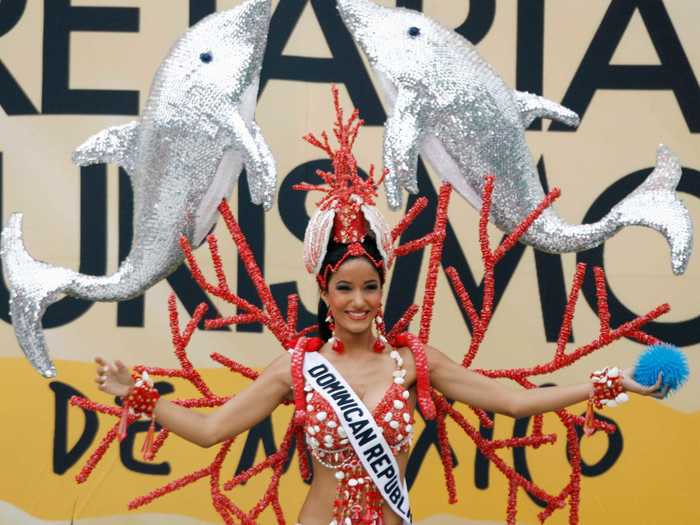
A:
{"points": [[437, 362], [280, 369], [436, 358]]}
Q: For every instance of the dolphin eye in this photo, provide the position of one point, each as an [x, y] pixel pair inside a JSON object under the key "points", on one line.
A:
{"points": [[206, 57], [414, 31]]}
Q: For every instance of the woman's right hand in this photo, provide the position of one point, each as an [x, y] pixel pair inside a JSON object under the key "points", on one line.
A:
{"points": [[114, 379]]}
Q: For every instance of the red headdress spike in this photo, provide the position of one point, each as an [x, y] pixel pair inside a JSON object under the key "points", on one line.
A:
{"points": [[347, 211]]}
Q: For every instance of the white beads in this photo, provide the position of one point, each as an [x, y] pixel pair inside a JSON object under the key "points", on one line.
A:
{"points": [[605, 375], [309, 397], [388, 417], [394, 424], [321, 416], [398, 405], [308, 387], [406, 417], [331, 424], [309, 408], [339, 474], [342, 433], [397, 358], [405, 394], [399, 375], [622, 397], [143, 380], [409, 429], [352, 482]]}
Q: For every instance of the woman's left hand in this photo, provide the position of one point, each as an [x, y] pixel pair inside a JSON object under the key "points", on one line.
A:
{"points": [[657, 390]]}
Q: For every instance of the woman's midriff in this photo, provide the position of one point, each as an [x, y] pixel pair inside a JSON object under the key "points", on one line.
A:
{"points": [[318, 506]]}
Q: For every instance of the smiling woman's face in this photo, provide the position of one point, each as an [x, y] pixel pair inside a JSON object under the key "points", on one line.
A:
{"points": [[354, 295]]}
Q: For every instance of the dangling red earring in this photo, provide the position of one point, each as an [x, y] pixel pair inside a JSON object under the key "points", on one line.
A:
{"points": [[380, 341], [338, 346]]}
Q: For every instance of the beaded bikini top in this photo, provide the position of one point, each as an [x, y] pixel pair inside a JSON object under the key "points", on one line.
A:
{"points": [[358, 500]]}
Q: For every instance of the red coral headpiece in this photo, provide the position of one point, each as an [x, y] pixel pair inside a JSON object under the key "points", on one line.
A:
{"points": [[348, 210]]}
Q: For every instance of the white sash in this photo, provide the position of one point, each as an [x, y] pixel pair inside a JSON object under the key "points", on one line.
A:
{"points": [[362, 430]]}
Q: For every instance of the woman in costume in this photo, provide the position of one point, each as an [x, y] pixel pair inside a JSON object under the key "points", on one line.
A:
{"points": [[355, 389]]}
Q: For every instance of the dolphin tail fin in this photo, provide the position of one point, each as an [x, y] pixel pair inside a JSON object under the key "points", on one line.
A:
{"points": [[117, 145], [33, 286], [654, 204]]}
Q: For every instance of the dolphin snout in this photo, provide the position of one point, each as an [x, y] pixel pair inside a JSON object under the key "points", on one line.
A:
{"points": [[247, 22], [357, 13], [261, 8], [255, 13]]}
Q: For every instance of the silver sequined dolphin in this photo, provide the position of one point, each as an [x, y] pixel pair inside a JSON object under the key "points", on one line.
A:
{"points": [[450, 106], [184, 156]]}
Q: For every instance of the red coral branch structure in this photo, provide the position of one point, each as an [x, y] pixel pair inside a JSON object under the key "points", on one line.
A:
{"points": [[432, 404], [480, 321], [345, 180], [284, 330]]}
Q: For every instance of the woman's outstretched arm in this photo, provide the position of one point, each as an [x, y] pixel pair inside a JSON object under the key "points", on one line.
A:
{"points": [[460, 384], [239, 414]]}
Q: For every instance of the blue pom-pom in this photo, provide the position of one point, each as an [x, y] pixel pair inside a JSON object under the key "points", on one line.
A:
{"points": [[668, 360]]}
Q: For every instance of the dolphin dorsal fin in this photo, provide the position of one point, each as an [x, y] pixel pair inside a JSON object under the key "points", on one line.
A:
{"points": [[115, 145], [533, 106]]}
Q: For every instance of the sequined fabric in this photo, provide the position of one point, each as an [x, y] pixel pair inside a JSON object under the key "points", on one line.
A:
{"points": [[184, 156], [450, 106]]}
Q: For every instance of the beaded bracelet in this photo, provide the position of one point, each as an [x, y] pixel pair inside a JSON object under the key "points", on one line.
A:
{"points": [[140, 402], [607, 392]]}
